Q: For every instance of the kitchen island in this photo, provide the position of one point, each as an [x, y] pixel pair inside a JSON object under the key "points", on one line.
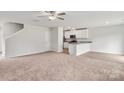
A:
{"points": [[78, 48]]}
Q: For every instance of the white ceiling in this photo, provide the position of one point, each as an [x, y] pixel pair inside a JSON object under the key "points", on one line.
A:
{"points": [[72, 18]]}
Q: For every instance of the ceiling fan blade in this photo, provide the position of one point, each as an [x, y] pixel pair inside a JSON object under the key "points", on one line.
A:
{"points": [[60, 18], [67, 30], [52, 12], [80, 28], [47, 11], [62, 13], [42, 16]]}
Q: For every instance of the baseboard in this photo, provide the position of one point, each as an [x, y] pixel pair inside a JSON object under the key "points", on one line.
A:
{"points": [[26, 54], [121, 54]]}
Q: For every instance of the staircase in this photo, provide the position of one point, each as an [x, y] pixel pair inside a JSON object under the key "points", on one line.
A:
{"points": [[9, 30]]}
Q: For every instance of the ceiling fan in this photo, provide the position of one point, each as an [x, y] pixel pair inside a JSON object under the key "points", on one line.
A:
{"points": [[52, 15], [72, 29]]}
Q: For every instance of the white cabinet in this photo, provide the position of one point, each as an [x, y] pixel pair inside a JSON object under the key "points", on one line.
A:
{"points": [[66, 44], [79, 33], [76, 49]]}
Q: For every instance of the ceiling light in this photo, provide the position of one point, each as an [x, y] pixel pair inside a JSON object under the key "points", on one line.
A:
{"points": [[36, 20], [107, 22], [52, 17], [122, 20]]}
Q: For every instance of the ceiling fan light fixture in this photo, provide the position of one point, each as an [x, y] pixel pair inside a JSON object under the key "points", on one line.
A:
{"points": [[52, 17]]}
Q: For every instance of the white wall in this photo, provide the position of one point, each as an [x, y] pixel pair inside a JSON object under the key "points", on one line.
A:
{"points": [[0, 39], [78, 33], [56, 39], [30, 40], [60, 39], [109, 39]]}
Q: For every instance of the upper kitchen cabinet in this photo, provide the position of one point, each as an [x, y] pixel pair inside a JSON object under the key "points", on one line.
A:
{"points": [[77, 33]]}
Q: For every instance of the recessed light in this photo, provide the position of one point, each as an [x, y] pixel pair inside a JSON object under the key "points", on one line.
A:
{"points": [[107, 22], [122, 20], [36, 20]]}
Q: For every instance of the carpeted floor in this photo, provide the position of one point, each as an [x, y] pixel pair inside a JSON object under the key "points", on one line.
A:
{"points": [[59, 66]]}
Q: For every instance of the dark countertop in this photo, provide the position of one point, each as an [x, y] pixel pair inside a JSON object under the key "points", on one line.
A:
{"points": [[79, 42], [71, 39]]}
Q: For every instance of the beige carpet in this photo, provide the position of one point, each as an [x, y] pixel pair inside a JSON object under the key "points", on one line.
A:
{"points": [[60, 66]]}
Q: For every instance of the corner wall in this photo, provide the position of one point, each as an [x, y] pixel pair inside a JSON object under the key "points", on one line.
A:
{"points": [[56, 39]]}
